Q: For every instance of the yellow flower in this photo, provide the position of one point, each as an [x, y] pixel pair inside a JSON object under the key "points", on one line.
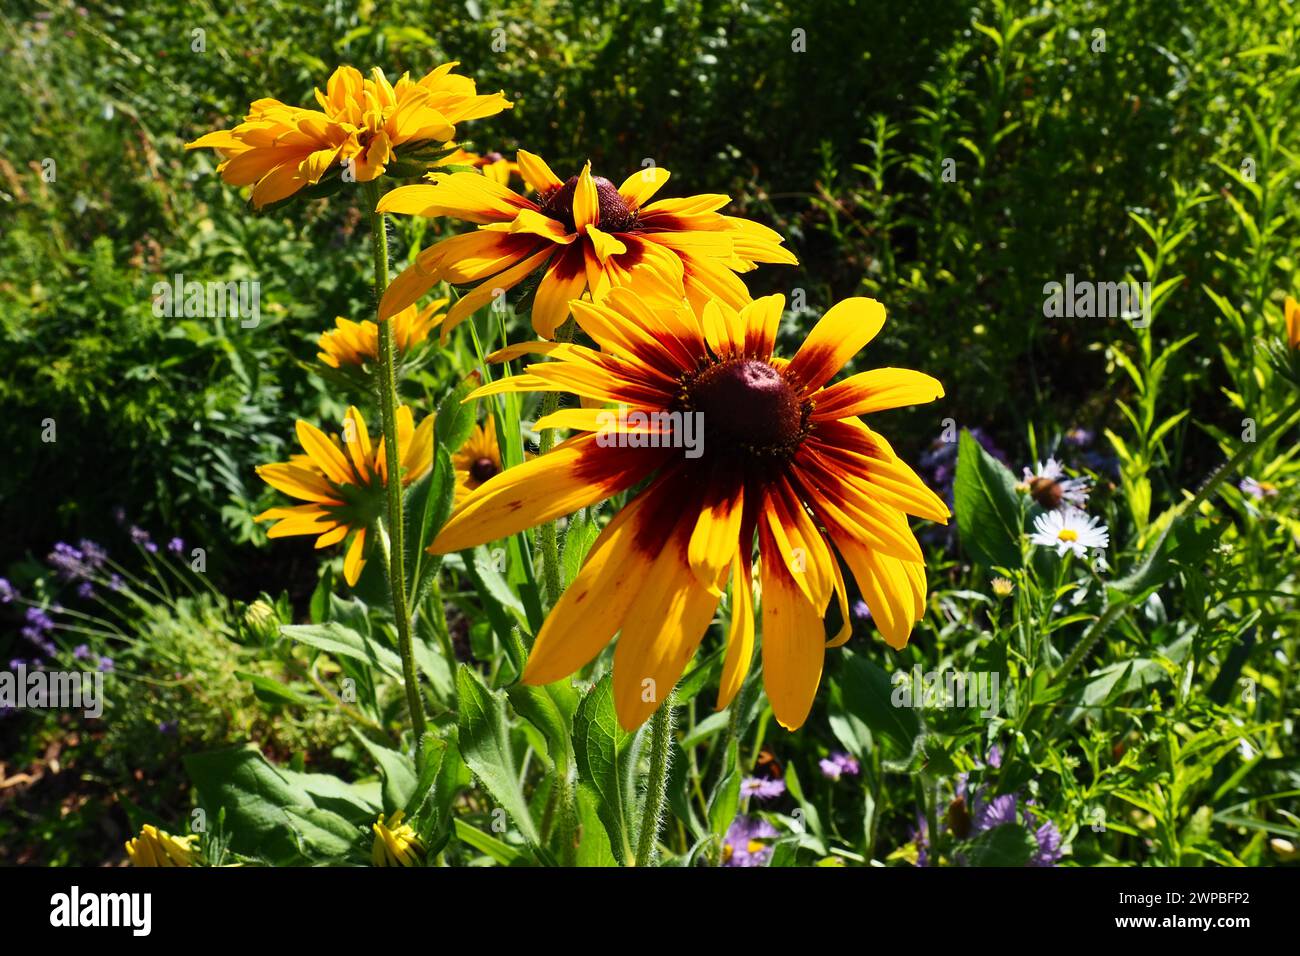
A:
{"points": [[784, 456], [1292, 323], [585, 234], [477, 460], [356, 343], [154, 847], [411, 112], [396, 843], [1002, 587], [343, 482], [279, 149]]}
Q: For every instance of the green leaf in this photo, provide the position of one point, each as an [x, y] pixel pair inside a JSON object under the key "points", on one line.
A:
{"points": [[342, 641], [868, 694], [1007, 845], [397, 770], [322, 833], [455, 419], [503, 853], [485, 745], [724, 802], [579, 536], [257, 795], [988, 509], [427, 507], [271, 691], [600, 747]]}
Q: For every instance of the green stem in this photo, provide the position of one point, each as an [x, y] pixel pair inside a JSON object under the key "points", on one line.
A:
{"points": [[548, 535], [396, 523], [661, 733]]}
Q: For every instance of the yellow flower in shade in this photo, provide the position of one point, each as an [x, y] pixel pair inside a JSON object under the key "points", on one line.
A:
{"points": [[492, 165], [154, 847], [279, 149], [585, 234], [477, 460], [783, 457], [396, 843], [357, 343], [1292, 323], [342, 479]]}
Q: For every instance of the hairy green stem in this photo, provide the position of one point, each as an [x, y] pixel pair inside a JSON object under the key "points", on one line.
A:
{"points": [[548, 535], [396, 523], [661, 734]]}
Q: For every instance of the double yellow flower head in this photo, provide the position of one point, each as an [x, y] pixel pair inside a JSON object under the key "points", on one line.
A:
{"points": [[363, 125]]}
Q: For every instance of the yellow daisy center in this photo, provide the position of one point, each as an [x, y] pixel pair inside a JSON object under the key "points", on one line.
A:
{"points": [[1067, 534]]}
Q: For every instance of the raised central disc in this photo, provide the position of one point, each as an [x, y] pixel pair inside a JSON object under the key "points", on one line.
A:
{"points": [[615, 214], [483, 469], [748, 403]]}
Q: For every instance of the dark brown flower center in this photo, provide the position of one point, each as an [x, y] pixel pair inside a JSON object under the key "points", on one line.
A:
{"points": [[483, 469], [615, 214], [747, 406]]}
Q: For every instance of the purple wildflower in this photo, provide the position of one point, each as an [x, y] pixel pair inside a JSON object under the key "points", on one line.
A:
{"points": [[68, 562], [81, 651], [861, 611], [1079, 437], [93, 554], [1049, 845], [1257, 489], [106, 665], [176, 546], [8, 592], [994, 757], [762, 788], [744, 846], [85, 590], [838, 764], [169, 727], [994, 813], [142, 538]]}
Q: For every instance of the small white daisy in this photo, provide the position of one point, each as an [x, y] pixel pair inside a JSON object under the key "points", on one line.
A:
{"points": [[1069, 529], [1051, 489]]}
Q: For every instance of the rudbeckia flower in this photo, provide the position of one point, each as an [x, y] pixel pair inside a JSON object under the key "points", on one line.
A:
{"points": [[1292, 322], [396, 843], [585, 234], [342, 479], [357, 343], [784, 457], [279, 149], [154, 847], [408, 114], [477, 460]]}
